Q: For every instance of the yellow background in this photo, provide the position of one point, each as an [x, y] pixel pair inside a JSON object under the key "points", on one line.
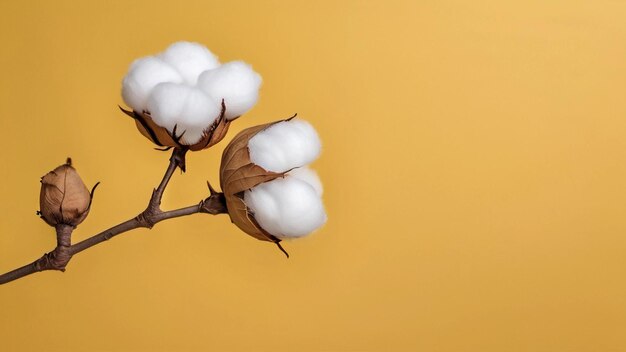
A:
{"points": [[474, 163]]}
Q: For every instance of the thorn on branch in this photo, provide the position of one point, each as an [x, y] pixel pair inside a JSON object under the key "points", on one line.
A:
{"points": [[211, 189]]}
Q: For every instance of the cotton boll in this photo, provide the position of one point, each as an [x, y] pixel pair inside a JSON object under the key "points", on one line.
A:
{"points": [[236, 83], [309, 176], [144, 74], [187, 108], [190, 59], [286, 208], [284, 146]]}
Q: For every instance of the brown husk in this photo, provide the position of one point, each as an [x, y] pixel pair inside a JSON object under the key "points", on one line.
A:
{"points": [[163, 138], [238, 174], [64, 198]]}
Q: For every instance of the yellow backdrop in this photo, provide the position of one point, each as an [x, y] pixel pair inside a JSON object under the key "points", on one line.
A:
{"points": [[474, 162]]}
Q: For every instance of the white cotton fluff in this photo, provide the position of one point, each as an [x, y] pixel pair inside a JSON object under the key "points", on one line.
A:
{"points": [[309, 176], [286, 207], [236, 83], [284, 146], [188, 108], [144, 74], [189, 59]]}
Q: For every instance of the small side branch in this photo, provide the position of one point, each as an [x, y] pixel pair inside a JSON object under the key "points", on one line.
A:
{"points": [[176, 160], [64, 251], [132, 224]]}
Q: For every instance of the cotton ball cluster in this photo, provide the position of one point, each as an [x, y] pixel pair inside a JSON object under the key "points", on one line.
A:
{"points": [[236, 83], [184, 87], [291, 206], [286, 207], [284, 146]]}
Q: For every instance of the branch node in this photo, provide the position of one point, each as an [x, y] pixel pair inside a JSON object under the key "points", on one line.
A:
{"points": [[145, 219], [178, 158], [214, 204]]}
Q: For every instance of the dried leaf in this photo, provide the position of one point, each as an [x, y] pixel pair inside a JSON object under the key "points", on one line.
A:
{"points": [[160, 136], [239, 216]]}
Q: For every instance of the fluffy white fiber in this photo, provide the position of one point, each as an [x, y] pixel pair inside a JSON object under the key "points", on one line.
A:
{"points": [[284, 146], [143, 76], [189, 59], [194, 66], [186, 107], [236, 83], [309, 176], [286, 207]]}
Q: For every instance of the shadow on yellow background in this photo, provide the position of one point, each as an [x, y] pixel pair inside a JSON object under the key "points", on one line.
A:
{"points": [[474, 163]]}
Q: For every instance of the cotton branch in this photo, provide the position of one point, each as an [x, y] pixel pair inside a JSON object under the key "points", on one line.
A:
{"points": [[184, 98], [58, 258]]}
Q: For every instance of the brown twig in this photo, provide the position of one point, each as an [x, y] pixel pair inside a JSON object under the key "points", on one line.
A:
{"points": [[62, 254]]}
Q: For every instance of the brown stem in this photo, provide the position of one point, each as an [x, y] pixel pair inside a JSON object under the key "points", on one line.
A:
{"points": [[61, 255], [154, 206]]}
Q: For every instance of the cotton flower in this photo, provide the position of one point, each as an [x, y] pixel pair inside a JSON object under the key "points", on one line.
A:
{"points": [[281, 198], [184, 98]]}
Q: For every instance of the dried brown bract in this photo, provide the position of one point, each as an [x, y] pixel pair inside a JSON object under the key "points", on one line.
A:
{"points": [[238, 174], [160, 136]]}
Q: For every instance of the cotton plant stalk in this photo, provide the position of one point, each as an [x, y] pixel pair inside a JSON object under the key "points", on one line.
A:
{"points": [[185, 99]]}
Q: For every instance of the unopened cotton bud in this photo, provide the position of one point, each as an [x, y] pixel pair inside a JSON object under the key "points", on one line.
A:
{"points": [[190, 60], [64, 198], [144, 74], [234, 82]]}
